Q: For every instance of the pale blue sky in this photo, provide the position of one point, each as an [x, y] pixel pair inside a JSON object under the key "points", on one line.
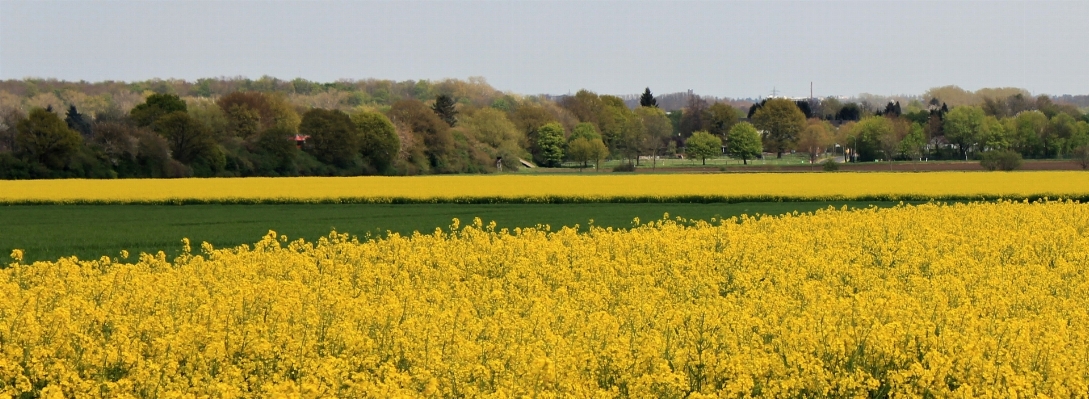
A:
{"points": [[722, 48]]}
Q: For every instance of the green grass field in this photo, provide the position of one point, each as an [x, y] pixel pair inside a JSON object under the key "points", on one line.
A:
{"points": [[47, 232]]}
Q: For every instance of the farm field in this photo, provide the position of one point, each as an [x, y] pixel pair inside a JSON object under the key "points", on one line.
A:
{"points": [[47, 232], [716, 187], [967, 300]]}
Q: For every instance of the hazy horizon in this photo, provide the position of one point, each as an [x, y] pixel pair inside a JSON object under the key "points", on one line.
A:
{"points": [[723, 49]]}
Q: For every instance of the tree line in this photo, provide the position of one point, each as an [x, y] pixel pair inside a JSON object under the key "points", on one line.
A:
{"points": [[276, 128], [467, 128]]}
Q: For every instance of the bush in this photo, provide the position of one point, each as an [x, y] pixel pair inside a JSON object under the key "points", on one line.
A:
{"points": [[830, 165], [624, 167], [1001, 160]]}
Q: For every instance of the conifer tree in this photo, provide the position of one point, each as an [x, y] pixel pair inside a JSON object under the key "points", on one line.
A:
{"points": [[444, 108], [648, 100]]}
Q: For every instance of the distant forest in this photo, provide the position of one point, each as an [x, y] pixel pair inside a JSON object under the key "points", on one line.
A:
{"points": [[272, 127]]}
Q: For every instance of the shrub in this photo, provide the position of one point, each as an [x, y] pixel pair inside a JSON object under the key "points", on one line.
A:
{"points": [[624, 167], [1001, 160], [830, 165]]}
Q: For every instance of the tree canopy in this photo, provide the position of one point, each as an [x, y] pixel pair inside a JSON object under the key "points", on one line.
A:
{"points": [[703, 145], [782, 122], [743, 141]]}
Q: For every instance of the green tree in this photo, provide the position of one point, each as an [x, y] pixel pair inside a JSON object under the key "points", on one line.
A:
{"points": [[379, 143], [1029, 133], [529, 118], [333, 138], [243, 121], [583, 150], [963, 127], [871, 136], [550, 138], [720, 118], [657, 130], [782, 122], [277, 143], [585, 130], [444, 108], [491, 126], [743, 141], [914, 143], [44, 138], [703, 145], [1061, 128], [647, 99], [994, 134], [156, 106], [694, 117], [188, 139], [890, 142], [815, 138]]}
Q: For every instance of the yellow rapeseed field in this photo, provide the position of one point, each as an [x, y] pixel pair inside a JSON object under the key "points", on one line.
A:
{"points": [[531, 188], [967, 300]]}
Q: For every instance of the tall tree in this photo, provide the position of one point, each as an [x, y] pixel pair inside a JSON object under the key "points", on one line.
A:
{"points": [[155, 107], [333, 138], [694, 117], [648, 100], [426, 125], [550, 138], [529, 118], [963, 126], [816, 136], [743, 141], [9, 119], [849, 112], [188, 139], [378, 142], [657, 131], [78, 122], [444, 108], [781, 121], [871, 133], [720, 118], [44, 138]]}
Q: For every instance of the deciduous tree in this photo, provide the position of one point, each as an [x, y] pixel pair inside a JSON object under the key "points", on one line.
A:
{"points": [[425, 124], [720, 118], [963, 126], [815, 138], [782, 122], [155, 107], [44, 138], [333, 138], [188, 139], [743, 141], [703, 145], [550, 138], [379, 143], [657, 131]]}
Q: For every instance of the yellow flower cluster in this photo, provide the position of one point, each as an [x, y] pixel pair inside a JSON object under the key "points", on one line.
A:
{"points": [[536, 188], [967, 300]]}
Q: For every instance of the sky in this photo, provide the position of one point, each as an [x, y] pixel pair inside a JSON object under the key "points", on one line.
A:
{"points": [[733, 49]]}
